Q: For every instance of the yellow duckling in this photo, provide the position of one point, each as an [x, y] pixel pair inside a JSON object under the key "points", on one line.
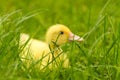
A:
{"points": [[47, 54]]}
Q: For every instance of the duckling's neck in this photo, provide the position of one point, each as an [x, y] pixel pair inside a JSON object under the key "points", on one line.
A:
{"points": [[53, 45], [55, 48]]}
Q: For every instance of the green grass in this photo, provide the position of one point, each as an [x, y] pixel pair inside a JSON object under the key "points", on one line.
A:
{"points": [[97, 21]]}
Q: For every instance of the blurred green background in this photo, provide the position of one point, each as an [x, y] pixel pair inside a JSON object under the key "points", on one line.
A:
{"points": [[98, 21], [79, 15]]}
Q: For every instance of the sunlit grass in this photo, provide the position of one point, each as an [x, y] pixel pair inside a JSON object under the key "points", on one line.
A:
{"points": [[96, 58]]}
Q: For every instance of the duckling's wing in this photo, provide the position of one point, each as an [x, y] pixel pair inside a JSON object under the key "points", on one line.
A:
{"points": [[34, 50]]}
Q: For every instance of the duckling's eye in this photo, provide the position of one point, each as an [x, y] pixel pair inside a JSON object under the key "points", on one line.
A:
{"points": [[61, 32]]}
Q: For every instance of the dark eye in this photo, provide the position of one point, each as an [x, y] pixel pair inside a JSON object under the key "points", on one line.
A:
{"points": [[61, 32]]}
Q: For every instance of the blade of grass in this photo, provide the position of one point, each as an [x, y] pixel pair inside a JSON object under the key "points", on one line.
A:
{"points": [[29, 15]]}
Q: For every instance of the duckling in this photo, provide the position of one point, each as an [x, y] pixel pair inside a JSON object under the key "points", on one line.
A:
{"points": [[48, 53]]}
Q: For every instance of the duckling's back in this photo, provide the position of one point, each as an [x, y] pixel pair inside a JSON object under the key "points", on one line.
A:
{"points": [[35, 50]]}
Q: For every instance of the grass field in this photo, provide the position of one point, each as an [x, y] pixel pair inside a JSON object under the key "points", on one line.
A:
{"points": [[97, 58]]}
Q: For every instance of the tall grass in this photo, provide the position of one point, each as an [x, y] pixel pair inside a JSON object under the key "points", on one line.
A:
{"points": [[96, 58]]}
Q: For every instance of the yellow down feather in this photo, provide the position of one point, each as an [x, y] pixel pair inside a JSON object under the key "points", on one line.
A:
{"points": [[48, 53]]}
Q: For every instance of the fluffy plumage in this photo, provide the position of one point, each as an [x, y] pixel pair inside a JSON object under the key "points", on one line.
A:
{"points": [[48, 53]]}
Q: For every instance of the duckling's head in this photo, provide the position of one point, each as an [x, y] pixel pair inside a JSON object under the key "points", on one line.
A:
{"points": [[60, 34]]}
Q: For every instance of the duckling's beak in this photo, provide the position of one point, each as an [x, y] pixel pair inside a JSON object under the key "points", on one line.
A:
{"points": [[73, 37]]}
